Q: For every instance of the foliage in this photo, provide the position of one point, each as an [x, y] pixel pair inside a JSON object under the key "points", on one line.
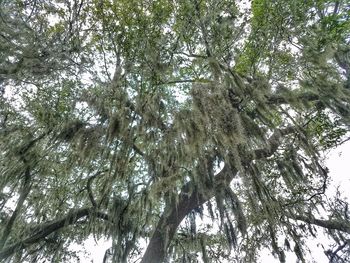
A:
{"points": [[196, 127]]}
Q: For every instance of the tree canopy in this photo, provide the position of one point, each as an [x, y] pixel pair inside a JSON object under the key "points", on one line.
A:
{"points": [[184, 131]]}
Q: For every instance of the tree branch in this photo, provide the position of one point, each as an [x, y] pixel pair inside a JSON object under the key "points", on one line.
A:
{"points": [[88, 187], [24, 190], [202, 28], [280, 99], [179, 81], [24, 193], [329, 224], [273, 143], [48, 228]]}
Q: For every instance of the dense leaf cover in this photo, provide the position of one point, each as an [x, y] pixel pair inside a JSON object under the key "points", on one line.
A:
{"points": [[194, 127]]}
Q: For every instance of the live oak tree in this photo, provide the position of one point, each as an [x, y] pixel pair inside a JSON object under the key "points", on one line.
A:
{"points": [[194, 127]]}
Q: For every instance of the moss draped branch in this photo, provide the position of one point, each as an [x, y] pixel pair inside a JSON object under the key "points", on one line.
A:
{"points": [[273, 143], [190, 198], [24, 193], [329, 224], [46, 229], [280, 99]]}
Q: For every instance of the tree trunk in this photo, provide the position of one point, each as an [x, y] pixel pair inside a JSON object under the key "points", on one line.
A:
{"points": [[176, 212]]}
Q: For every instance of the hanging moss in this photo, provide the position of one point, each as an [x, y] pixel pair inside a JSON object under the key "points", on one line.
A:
{"points": [[70, 129], [192, 109]]}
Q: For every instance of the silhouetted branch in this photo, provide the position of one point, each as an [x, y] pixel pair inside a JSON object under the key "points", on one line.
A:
{"points": [[24, 193], [329, 224], [48, 228]]}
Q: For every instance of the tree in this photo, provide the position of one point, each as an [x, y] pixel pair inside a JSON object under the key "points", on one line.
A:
{"points": [[142, 121]]}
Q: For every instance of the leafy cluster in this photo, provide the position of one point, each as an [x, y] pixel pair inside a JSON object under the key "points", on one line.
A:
{"points": [[196, 127]]}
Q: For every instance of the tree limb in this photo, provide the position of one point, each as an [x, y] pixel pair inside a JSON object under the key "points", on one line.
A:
{"points": [[329, 224], [88, 187], [273, 143], [24, 193], [48, 228], [280, 99]]}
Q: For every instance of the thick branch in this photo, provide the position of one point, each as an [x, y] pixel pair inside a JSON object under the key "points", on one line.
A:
{"points": [[48, 228], [273, 143], [24, 190], [280, 99], [24, 193], [179, 81], [31, 143], [91, 195], [88, 187], [329, 224]]}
